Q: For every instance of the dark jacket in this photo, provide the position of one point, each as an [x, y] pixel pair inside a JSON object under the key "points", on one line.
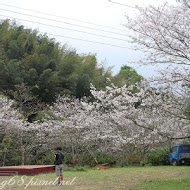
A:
{"points": [[59, 157]]}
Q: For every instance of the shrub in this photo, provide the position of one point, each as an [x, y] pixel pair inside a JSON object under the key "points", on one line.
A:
{"points": [[101, 157], [108, 158], [67, 159], [158, 157]]}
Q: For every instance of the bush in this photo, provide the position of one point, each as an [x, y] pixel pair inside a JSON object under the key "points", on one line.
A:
{"points": [[101, 157], [108, 158], [133, 159], [87, 159], [158, 157], [67, 158]]}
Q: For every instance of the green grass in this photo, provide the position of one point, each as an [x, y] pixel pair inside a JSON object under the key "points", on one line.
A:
{"points": [[172, 184], [127, 178]]}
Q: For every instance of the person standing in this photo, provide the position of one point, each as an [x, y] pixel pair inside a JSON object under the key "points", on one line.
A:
{"points": [[59, 157]]}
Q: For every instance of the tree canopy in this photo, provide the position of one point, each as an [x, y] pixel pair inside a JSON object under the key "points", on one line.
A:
{"points": [[49, 68]]}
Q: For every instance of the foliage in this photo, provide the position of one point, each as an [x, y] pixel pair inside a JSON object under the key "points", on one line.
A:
{"points": [[102, 158], [158, 157], [8, 155], [127, 75], [46, 67]]}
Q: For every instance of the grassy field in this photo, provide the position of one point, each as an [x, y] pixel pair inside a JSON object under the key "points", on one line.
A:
{"points": [[127, 178]]}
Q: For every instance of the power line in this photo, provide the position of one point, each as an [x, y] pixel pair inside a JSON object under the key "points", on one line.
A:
{"points": [[121, 4], [54, 26], [89, 41], [62, 17], [63, 22], [83, 39]]}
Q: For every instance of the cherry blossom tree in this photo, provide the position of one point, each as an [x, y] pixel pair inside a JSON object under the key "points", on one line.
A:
{"points": [[122, 120], [162, 33], [31, 138], [8, 115], [160, 112], [83, 127]]}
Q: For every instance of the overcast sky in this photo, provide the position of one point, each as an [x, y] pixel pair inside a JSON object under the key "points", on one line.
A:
{"points": [[79, 14]]}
